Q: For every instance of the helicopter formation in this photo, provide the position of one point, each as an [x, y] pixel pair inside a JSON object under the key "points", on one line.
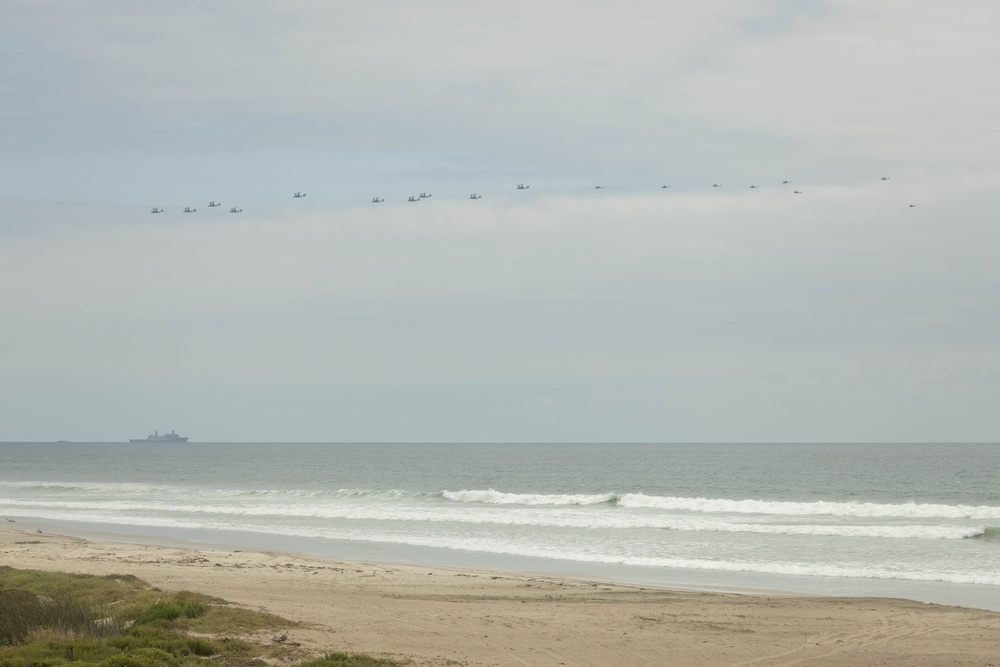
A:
{"points": [[426, 195]]}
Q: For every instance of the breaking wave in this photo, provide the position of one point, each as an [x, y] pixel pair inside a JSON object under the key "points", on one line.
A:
{"points": [[722, 505], [492, 497], [988, 534]]}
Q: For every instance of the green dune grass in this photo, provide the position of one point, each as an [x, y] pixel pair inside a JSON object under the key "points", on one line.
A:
{"points": [[57, 619]]}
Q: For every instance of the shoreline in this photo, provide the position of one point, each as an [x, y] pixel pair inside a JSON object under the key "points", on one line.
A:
{"points": [[448, 615], [973, 596]]}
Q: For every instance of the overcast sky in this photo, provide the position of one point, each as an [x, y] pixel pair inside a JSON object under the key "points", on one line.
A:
{"points": [[558, 313]]}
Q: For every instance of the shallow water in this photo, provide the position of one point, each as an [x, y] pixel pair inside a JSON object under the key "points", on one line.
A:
{"points": [[907, 520]]}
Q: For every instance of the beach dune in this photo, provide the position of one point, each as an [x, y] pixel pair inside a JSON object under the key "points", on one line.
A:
{"points": [[441, 616]]}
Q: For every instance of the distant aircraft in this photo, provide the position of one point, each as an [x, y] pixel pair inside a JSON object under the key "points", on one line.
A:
{"points": [[298, 195], [664, 187], [213, 204], [376, 200], [522, 186], [412, 199], [785, 182], [885, 178], [716, 185], [797, 192], [754, 187], [156, 210], [913, 205], [235, 210], [598, 187], [475, 196], [190, 210], [424, 195]]}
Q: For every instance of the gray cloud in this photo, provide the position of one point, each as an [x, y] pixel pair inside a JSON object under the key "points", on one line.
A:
{"points": [[631, 312]]}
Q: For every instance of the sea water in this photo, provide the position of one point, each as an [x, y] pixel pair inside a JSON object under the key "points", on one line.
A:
{"points": [[920, 521]]}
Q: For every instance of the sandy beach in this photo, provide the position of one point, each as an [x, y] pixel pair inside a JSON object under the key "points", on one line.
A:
{"points": [[441, 616]]}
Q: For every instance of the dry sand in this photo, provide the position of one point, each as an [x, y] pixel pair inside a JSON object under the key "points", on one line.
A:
{"points": [[440, 616]]}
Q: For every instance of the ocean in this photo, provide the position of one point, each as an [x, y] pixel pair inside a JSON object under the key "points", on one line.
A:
{"points": [[920, 521]]}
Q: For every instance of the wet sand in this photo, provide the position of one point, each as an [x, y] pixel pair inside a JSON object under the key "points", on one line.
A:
{"points": [[445, 616]]}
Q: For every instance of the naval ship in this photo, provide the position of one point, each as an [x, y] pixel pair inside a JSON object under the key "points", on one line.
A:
{"points": [[166, 437]]}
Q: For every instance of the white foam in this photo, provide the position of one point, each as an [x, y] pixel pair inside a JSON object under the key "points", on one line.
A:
{"points": [[493, 497], [565, 517], [904, 510], [594, 551]]}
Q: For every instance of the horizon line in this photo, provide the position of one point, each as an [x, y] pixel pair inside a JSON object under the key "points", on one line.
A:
{"points": [[512, 442]]}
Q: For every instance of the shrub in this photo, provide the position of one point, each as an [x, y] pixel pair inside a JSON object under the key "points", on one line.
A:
{"points": [[171, 610], [141, 657], [23, 612], [65, 620]]}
